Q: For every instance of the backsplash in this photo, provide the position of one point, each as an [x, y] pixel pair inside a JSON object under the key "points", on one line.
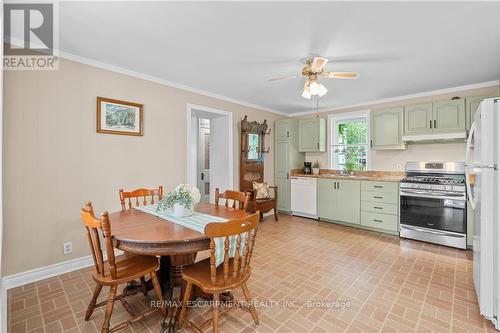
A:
{"points": [[395, 160]]}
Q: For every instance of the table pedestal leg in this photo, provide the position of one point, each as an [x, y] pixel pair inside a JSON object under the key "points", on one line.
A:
{"points": [[169, 323]]}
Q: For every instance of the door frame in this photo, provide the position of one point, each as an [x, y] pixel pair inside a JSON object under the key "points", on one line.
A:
{"points": [[193, 164]]}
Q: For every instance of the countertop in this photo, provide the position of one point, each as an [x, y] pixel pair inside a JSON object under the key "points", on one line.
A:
{"points": [[381, 176]]}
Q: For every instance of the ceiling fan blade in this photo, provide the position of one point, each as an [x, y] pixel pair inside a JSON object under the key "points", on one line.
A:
{"points": [[285, 77], [318, 63], [341, 75]]}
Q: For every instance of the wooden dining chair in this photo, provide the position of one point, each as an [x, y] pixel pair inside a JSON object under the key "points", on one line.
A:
{"points": [[115, 271], [141, 195], [240, 199], [231, 274], [145, 197]]}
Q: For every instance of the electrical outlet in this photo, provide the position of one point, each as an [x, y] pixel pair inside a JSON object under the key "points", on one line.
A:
{"points": [[398, 166], [67, 248]]}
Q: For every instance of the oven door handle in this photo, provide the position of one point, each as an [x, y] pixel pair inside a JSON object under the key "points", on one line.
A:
{"points": [[431, 195], [440, 233]]}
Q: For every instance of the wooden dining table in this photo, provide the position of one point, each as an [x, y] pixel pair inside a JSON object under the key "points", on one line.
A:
{"points": [[141, 233]]}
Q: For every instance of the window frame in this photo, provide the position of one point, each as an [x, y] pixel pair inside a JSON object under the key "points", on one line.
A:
{"points": [[332, 134]]}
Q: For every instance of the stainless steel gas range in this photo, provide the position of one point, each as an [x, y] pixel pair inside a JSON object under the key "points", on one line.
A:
{"points": [[433, 203]]}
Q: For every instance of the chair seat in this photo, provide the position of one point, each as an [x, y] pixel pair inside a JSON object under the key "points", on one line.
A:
{"points": [[264, 200], [199, 274], [128, 267]]}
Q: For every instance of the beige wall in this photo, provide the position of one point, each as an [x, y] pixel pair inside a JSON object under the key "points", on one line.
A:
{"points": [[396, 160], [55, 161]]}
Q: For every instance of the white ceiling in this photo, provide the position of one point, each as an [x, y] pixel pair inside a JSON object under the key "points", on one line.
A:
{"points": [[232, 49]]}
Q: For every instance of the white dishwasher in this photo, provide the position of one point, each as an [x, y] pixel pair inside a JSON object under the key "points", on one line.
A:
{"points": [[303, 197]]}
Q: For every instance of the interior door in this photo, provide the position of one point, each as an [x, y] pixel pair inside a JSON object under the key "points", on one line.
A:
{"points": [[219, 156], [204, 159]]}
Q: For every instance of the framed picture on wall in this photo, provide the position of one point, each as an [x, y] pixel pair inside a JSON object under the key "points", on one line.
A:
{"points": [[119, 117]]}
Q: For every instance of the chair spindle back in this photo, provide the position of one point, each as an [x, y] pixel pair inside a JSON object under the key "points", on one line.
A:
{"points": [[240, 199], [93, 225], [141, 193], [243, 247]]}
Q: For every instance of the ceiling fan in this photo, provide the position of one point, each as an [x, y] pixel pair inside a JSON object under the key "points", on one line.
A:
{"points": [[312, 70]]}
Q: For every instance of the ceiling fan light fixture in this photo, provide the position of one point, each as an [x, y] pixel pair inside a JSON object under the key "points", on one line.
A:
{"points": [[314, 86], [307, 92], [322, 90]]}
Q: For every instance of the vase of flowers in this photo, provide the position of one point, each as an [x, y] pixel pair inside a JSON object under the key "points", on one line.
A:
{"points": [[180, 201]]}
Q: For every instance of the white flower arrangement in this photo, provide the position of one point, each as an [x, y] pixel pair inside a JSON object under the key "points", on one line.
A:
{"points": [[183, 195]]}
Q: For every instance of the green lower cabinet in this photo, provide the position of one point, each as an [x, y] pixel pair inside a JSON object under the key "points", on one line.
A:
{"points": [[339, 200], [283, 203], [379, 221], [326, 198], [380, 206], [348, 201], [387, 197]]}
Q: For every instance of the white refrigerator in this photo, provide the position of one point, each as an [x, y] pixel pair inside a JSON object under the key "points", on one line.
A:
{"points": [[483, 190]]}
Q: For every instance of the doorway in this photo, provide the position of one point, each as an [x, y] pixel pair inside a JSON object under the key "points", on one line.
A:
{"points": [[210, 150]]}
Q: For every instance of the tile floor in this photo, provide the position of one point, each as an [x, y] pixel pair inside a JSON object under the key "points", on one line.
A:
{"points": [[367, 282]]}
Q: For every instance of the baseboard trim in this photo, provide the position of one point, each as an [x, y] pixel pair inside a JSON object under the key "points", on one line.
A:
{"points": [[37, 274]]}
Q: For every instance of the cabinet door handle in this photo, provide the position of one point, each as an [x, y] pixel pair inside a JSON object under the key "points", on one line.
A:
{"points": [[377, 208], [288, 175], [435, 126], [371, 143], [378, 186], [430, 123], [338, 185], [378, 221], [334, 185], [377, 197], [287, 134], [317, 144]]}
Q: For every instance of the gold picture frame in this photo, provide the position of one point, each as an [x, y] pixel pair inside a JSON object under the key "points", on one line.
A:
{"points": [[119, 117]]}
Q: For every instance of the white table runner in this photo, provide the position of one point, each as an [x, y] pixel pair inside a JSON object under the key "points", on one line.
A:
{"points": [[197, 222]]}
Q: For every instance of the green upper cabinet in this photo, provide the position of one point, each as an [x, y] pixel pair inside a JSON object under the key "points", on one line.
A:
{"points": [[283, 129], [312, 135], [449, 116], [471, 104], [418, 119], [387, 128]]}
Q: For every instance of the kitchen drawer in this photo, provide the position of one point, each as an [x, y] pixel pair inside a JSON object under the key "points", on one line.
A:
{"points": [[389, 197], [379, 221], [379, 207], [383, 187]]}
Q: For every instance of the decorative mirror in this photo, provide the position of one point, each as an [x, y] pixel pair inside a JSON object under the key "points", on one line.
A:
{"points": [[252, 150]]}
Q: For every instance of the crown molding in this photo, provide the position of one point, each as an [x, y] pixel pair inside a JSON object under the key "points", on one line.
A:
{"points": [[402, 98], [121, 70]]}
